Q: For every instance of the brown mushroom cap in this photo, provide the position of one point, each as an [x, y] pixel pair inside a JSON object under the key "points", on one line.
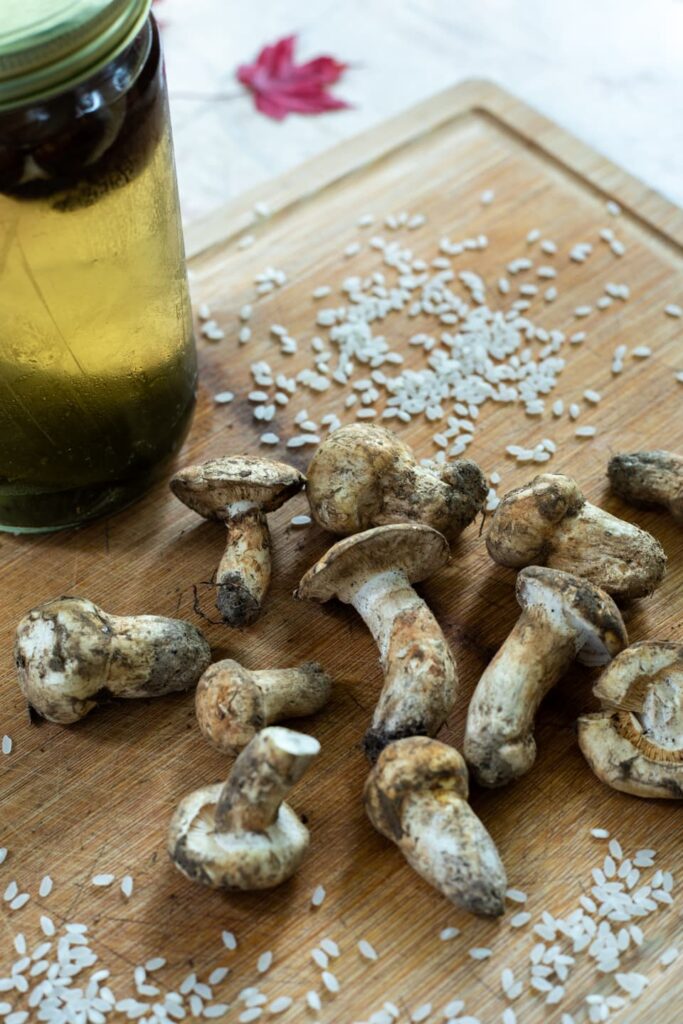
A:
{"points": [[524, 523], [212, 486], [363, 476], [345, 473], [587, 608], [416, 550], [229, 705], [405, 767]]}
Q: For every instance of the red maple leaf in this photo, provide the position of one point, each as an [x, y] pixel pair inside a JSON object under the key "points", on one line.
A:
{"points": [[280, 86]]}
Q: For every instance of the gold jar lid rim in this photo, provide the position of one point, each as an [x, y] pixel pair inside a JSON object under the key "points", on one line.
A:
{"points": [[47, 46]]}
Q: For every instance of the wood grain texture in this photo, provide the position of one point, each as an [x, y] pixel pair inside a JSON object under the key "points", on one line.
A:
{"points": [[98, 796]]}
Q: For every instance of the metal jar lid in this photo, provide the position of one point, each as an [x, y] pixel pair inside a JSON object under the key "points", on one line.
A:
{"points": [[46, 46]]}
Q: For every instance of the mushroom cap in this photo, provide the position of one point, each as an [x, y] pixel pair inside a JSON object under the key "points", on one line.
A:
{"points": [[61, 650], [346, 473], [363, 475], [524, 523], [628, 681], [235, 860], [212, 486], [617, 750], [635, 744], [229, 706], [403, 769], [587, 609], [411, 548]]}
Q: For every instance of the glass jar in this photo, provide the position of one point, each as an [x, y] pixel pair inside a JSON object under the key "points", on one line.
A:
{"points": [[97, 357]]}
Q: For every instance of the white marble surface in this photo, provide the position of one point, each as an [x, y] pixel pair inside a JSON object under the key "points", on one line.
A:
{"points": [[609, 70]]}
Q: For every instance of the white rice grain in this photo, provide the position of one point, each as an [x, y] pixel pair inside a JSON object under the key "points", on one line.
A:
{"points": [[330, 981], [102, 880], [264, 961], [519, 920], [313, 1000], [280, 1004], [367, 950]]}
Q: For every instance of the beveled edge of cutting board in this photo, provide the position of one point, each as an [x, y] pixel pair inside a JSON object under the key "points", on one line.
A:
{"points": [[533, 130]]}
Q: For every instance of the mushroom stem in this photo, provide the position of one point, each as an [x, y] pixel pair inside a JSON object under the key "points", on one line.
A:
{"points": [[419, 671], [563, 618], [600, 547], [243, 575], [445, 842], [293, 692], [261, 777], [533, 658]]}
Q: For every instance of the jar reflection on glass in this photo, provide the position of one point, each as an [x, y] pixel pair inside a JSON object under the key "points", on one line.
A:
{"points": [[97, 358]]}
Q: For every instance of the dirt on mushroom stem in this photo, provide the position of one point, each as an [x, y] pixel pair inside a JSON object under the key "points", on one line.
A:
{"points": [[244, 571], [260, 779], [420, 676]]}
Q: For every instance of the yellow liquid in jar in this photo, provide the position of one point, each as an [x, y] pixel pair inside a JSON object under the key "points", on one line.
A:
{"points": [[97, 359]]}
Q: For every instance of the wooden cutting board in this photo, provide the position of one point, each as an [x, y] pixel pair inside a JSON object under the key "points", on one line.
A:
{"points": [[97, 797]]}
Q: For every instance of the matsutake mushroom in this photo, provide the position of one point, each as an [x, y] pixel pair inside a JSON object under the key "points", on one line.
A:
{"points": [[363, 475], [239, 491], [549, 522], [374, 571], [71, 656], [233, 703], [635, 744], [563, 619], [416, 796], [241, 834]]}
